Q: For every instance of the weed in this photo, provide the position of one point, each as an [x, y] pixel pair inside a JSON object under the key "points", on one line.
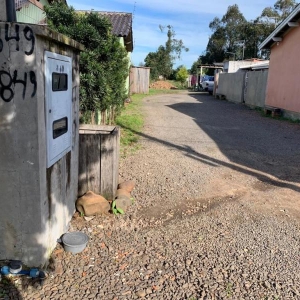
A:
{"points": [[229, 289], [116, 210], [262, 112]]}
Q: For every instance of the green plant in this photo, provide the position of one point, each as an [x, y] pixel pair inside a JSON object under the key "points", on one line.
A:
{"points": [[103, 64], [229, 289], [131, 121], [182, 75], [262, 112], [116, 210]]}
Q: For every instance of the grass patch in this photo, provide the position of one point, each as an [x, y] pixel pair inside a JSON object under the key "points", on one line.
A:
{"points": [[153, 92], [131, 121], [178, 84], [290, 120]]}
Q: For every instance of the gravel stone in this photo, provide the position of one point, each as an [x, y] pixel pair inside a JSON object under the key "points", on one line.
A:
{"points": [[216, 212]]}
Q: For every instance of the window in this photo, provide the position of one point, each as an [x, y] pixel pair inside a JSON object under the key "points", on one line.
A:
{"points": [[60, 127], [59, 82]]}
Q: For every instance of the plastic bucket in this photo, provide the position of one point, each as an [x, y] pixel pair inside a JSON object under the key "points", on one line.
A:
{"points": [[75, 242]]}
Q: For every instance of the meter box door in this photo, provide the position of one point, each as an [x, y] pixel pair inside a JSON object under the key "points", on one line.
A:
{"points": [[58, 91]]}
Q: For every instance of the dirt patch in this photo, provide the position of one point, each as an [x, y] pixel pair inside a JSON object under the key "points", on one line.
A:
{"points": [[162, 85], [187, 207], [262, 186]]}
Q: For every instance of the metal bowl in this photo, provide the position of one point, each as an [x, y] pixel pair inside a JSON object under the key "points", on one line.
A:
{"points": [[75, 242]]}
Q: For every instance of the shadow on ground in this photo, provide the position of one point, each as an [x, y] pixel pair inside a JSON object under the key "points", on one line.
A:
{"points": [[264, 148]]}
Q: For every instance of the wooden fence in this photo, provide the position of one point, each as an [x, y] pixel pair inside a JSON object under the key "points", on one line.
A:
{"points": [[139, 80]]}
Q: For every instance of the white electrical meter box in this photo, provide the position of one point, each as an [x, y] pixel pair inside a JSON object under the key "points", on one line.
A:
{"points": [[58, 92]]}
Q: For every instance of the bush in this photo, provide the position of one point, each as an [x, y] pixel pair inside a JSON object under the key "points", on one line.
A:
{"points": [[182, 75], [103, 65]]}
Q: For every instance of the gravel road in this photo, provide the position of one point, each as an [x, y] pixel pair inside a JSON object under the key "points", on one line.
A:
{"points": [[216, 212]]}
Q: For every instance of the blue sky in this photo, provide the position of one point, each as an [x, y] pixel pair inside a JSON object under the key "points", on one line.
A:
{"points": [[189, 18]]}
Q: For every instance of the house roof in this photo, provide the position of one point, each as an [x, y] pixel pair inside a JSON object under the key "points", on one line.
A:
{"points": [[121, 22], [121, 25], [20, 3], [258, 66], [290, 22]]}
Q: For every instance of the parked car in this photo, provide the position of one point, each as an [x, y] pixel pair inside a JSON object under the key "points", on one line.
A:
{"points": [[208, 83], [210, 88]]}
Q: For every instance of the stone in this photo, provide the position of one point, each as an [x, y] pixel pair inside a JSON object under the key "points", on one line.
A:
{"points": [[141, 294], [123, 203], [122, 192], [127, 185], [92, 204]]}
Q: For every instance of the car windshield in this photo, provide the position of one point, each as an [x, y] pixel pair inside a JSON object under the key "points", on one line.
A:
{"points": [[211, 78]]}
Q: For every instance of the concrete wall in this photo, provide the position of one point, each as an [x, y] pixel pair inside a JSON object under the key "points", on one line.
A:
{"points": [[233, 66], [256, 88], [127, 82], [232, 86], [283, 87], [36, 203]]}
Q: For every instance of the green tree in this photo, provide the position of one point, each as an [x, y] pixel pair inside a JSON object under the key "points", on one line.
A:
{"points": [[182, 74], [161, 62], [103, 64], [263, 25], [226, 32], [284, 7], [234, 34], [193, 69]]}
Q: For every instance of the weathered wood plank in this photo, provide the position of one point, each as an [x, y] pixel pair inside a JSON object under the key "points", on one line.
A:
{"points": [[99, 159]]}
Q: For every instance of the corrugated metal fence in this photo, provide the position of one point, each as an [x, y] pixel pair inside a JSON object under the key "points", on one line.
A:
{"points": [[29, 11], [139, 80]]}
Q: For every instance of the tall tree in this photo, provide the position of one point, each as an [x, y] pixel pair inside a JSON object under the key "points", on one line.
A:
{"points": [[284, 7], [161, 62], [193, 69], [226, 32]]}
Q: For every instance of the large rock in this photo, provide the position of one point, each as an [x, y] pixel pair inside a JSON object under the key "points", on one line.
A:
{"points": [[123, 202], [122, 192], [92, 204], [127, 185]]}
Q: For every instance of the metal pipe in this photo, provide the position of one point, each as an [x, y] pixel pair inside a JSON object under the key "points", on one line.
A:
{"points": [[11, 11]]}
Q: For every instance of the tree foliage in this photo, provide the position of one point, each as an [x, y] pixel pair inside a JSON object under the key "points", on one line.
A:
{"points": [[193, 69], [182, 74], [234, 34], [103, 64], [284, 7], [161, 62]]}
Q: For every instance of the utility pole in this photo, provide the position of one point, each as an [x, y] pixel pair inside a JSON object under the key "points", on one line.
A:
{"points": [[231, 53], [8, 11]]}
